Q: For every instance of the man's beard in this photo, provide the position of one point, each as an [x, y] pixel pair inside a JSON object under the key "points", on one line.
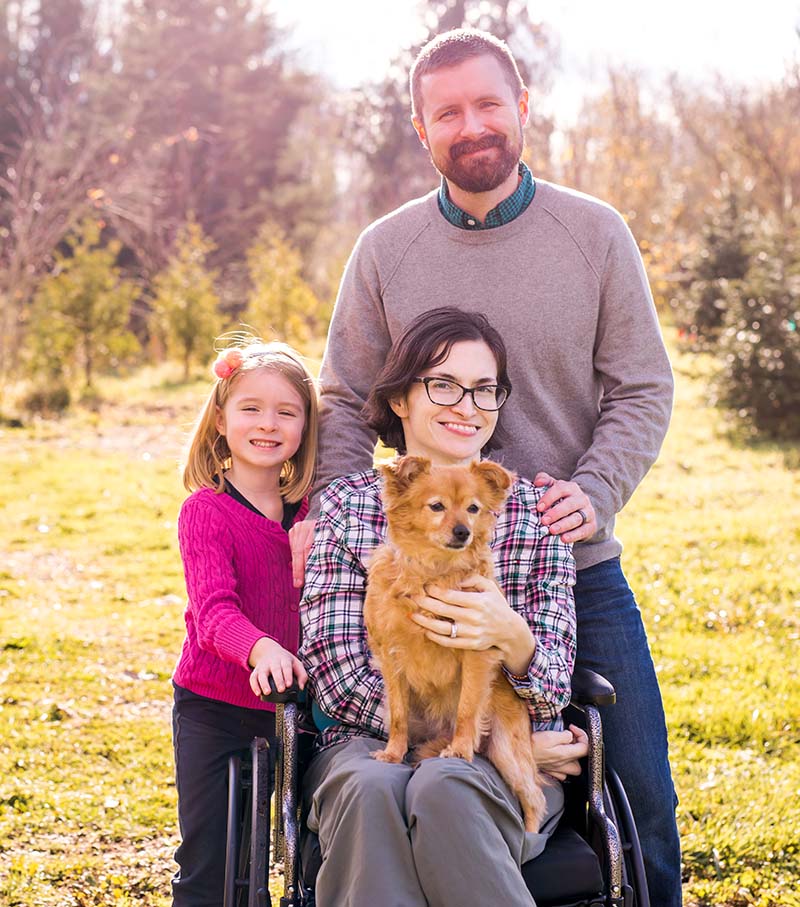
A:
{"points": [[483, 173]]}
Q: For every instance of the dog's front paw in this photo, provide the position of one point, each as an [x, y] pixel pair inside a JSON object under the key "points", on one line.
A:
{"points": [[457, 752], [387, 756]]}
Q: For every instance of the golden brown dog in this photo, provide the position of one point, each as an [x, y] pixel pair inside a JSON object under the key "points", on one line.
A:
{"points": [[443, 701]]}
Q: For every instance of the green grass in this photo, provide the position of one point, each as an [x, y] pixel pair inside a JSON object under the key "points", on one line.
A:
{"points": [[91, 601], [712, 548]]}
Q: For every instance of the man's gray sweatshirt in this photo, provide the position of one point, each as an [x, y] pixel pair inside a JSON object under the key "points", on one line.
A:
{"points": [[564, 285]]}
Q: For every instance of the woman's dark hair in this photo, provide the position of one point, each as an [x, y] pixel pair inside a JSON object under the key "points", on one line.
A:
{"points": [[424, 344]]}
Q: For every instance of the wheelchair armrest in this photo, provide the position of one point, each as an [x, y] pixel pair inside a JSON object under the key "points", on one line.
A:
{"points": [[590, 688], [290, 694]]}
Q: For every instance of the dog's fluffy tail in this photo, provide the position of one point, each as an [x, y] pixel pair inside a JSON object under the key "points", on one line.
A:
{"points": [[428, 749], [510, 750]]}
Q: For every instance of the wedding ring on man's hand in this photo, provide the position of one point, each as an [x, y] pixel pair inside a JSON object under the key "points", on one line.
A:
{"points": [[584, 518], [453, 630]]}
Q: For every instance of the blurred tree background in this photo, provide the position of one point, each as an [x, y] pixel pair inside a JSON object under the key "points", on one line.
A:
{"points": [[182, 148]]}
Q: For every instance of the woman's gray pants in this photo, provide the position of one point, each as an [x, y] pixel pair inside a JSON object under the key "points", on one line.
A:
{"points": [[448, 833]]}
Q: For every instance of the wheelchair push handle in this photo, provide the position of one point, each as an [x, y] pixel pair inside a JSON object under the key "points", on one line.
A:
{"points": [[590, 688], [290, 694]]}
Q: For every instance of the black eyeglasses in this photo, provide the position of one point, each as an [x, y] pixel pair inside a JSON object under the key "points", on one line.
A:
{"points": [[443, 392]]}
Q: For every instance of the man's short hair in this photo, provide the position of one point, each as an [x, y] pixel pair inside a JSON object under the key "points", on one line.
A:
{"points": [[454, 47]]}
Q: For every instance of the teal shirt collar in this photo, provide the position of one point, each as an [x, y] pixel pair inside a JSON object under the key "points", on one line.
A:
{"points": [[504, 213]]}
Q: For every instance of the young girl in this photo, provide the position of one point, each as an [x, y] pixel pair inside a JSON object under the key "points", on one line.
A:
{"points": [[250, 465]]}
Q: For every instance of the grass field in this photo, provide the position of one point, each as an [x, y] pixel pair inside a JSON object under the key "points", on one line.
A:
{"points": [[91, 601]]}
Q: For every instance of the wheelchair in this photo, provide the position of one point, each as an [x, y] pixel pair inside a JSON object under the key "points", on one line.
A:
{"points": [[593, 859]]}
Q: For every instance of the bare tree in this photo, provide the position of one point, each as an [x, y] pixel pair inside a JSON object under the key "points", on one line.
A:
{"points": [[748, 136], [626, 147], [62, 157]]}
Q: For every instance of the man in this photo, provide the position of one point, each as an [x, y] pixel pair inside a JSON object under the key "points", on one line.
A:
{"points": [[559, 275]]}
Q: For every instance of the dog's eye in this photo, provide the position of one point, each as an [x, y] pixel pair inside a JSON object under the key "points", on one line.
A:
{"points": [[473, 508], [437, 507]]}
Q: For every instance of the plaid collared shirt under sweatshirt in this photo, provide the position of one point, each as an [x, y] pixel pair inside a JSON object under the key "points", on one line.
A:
{"points": [[508, 209], [535, 570]]}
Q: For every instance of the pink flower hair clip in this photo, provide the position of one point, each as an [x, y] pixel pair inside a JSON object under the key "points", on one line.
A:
{"points": [[227, 362]]}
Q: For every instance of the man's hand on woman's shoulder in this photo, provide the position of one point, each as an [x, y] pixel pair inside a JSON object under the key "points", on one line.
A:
{"points": [[566, 510]]}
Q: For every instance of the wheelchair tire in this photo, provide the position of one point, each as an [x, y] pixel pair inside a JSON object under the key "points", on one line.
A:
{"points": [[633, 863], [248, 829]]}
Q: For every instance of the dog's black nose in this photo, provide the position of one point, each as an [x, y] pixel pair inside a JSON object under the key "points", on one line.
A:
{"points": [[460, 533]]}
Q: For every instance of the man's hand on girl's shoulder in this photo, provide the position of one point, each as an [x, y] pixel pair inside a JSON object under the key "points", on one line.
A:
{"points": [[301, 535]]}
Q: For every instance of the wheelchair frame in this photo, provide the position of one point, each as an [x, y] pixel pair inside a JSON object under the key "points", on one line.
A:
{"points": [[608, 810], [247, 850]]}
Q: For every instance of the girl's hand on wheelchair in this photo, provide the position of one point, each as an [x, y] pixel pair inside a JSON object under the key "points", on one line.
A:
{"points": [[269, 659], [557, 752]]}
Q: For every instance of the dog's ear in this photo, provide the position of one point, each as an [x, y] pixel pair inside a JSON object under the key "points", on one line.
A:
{"points": [[399, 475], [495, 479]]}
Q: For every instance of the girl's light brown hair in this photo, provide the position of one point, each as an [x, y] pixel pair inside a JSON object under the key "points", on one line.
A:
{"points": [[209, 455]]}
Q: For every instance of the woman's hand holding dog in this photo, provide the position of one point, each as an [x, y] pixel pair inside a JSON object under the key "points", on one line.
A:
{"points": [[558, 752], [482, 618], [269, 658]]}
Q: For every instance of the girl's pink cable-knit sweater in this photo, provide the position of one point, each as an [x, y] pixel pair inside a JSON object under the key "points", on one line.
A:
{"points": [[238, 569]]}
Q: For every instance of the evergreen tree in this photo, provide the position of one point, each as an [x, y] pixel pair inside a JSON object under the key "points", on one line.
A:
{"points": [[185, 308], [722, 260], [759, 345], [281, 303], [80, 314]]}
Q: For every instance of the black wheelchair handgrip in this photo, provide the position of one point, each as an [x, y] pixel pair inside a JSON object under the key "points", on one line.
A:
{"points": [[590, 688], [290, 694]]}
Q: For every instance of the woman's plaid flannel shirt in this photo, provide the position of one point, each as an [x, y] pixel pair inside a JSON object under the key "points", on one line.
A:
{"points": [[535, 570]]}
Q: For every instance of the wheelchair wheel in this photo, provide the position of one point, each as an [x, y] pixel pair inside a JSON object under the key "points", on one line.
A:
{"points": [[618, 807], [247, 840]]}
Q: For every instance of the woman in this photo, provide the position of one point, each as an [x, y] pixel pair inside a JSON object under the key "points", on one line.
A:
{"points": [[448, 832]]}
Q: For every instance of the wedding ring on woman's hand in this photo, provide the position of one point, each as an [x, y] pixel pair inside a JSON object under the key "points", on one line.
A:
{"points": [[453, 630], [584, 518]]}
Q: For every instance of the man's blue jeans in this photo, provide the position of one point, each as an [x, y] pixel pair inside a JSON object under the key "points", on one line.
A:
{"points": [[612, 641]]}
